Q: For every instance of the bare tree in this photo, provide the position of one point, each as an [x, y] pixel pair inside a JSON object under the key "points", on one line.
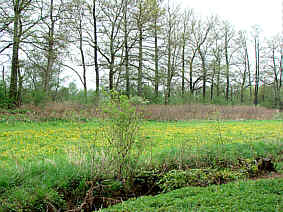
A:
{"points": [[172, 46], [203, 46], [198, 35], [157, 14], [111, 45], [217, 53], [229, 34], [185, 37], [273, 65], [95, 49], [143, 16]]}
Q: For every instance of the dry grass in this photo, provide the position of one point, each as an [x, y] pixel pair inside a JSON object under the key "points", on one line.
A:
{"points": [[69, 110], [207, 112], [66, 110]]}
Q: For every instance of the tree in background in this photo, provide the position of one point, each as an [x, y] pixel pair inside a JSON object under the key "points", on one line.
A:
{"points": [[144, 47], [111, 45], [229, 34], [17, 28], [273, 67], [257, 63]]}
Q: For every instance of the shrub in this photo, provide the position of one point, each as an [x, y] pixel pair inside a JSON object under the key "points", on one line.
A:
{"points": [[119, 125], [197, 177]]}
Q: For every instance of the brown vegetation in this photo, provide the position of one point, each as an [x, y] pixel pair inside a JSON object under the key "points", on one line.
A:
{"points": [[60, 111], [68, 111], [207, 112]]}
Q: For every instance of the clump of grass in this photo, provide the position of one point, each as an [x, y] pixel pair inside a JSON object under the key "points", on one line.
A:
{"points": [[37, 185]]}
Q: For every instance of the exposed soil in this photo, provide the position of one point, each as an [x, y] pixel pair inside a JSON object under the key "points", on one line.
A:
{"points": [[271, 175]]}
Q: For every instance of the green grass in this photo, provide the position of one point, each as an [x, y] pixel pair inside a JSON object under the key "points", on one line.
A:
{"points": [[43, 162], [262, 195]]}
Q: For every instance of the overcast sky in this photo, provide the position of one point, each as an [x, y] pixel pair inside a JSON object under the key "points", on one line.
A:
{"points": [[242, 13]]}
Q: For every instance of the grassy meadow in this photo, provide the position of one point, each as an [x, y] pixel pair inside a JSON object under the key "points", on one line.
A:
{"points": [[48, 165]]}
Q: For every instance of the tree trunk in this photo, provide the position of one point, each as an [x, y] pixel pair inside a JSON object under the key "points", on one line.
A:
{"points": [[15, 56], [95, 48], [212, 82], [4, 83], [191, 73], [20, 88], [244, 80], [227, 69], [231, 93], [183, 65], [126, 49], [249, 72], [256, 72], [50, 56], [204, 74], [276, 81], [281, 70], [218, 79], [111, 74], [112, 62], [140, 61], [169, 67], [167, 95], [204, 83], [183, 56], [83, 59], [156, 59]]}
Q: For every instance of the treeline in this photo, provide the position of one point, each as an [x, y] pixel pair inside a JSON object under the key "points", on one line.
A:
{"points": [[147, 48]]}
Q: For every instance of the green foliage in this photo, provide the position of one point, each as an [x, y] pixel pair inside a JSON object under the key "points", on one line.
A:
{"points": [[73, 90], [137, 100], [278, 116], [235, 156], [197, 177], [39, 97], [34, 186], [4, 99], [120, 123], [260, 195], [35, 198]]}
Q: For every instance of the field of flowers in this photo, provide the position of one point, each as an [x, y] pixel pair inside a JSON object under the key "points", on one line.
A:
{"points": [[51, 139], [39, 160]]}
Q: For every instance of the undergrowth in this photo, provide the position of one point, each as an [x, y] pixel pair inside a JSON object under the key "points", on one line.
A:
{"points": [[261, 195]]}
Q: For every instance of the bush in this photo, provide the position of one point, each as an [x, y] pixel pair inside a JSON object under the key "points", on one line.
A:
{"points": [[120, 123], [197, 177]]}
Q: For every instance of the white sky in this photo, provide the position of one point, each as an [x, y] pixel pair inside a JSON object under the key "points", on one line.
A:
{"points": [[242, 13]]}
